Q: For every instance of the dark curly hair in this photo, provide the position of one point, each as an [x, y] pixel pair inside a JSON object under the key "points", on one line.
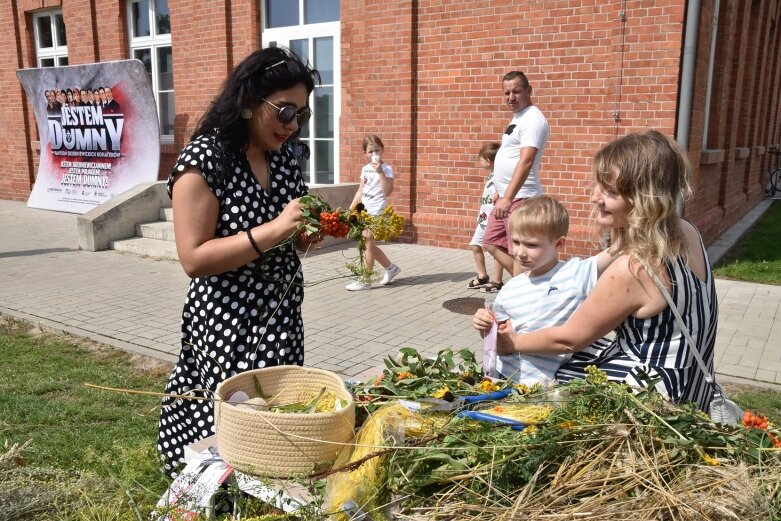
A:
{"points": [[259, 75]]}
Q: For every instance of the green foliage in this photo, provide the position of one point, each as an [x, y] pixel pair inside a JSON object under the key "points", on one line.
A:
{"points": [[413, 376], [592, 419], [757, 256]]}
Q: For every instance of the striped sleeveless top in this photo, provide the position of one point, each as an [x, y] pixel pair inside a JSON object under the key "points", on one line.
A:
{"points": [[655, 348]]}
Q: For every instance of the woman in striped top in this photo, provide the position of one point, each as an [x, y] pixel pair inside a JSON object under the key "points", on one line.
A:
{"points": [[638, 180]]}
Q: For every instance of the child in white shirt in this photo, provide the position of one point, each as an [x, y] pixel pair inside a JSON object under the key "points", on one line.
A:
{"points": [[546, 293], [375, 188], [486, 158]]}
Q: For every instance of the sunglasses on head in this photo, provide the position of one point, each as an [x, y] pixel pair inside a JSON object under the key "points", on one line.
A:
{"points": [[286, 114]]}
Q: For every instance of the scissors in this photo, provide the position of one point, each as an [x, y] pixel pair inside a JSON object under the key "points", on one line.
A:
{"points": [[437, 404]]}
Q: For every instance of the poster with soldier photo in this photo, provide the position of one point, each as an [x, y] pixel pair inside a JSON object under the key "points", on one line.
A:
{"points": [[98, 131]]}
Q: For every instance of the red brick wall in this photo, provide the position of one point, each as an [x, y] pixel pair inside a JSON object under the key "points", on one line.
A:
{"points": [[14, 116], [572, 55], [208, 38], [744, 112]]}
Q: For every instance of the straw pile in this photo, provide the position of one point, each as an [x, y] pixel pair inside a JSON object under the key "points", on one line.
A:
{"points": [[626, 477], [605, 452]]}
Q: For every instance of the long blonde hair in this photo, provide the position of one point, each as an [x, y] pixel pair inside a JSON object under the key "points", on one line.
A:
{"points": [[653, 171]]}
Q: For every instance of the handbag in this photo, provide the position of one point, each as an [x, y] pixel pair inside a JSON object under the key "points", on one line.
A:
{"points": [[722, 409]]}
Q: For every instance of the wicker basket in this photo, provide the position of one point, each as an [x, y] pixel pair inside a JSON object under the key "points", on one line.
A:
{"points": [[282, 444]]}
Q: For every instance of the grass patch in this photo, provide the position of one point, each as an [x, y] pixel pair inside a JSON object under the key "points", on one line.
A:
{"points": [[757, 256], [765, 401], [80, 453]]}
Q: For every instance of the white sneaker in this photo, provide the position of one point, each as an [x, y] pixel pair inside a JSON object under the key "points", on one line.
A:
{"points": [[390, 274], [358, 285]]}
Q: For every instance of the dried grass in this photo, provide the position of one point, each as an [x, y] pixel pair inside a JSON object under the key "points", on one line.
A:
{"points": [[623, 478]]}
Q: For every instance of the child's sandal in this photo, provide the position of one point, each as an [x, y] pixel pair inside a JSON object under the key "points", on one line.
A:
{"points": [[492, 287], [478, 282]]}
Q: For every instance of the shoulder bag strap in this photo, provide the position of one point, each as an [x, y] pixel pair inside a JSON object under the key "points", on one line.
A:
{"points": [[685, 330]]}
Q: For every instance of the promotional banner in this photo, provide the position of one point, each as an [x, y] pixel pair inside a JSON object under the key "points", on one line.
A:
{"points": [[99, 132]]}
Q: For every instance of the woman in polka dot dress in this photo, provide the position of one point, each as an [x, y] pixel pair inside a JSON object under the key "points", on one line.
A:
{"points": [[235, 193]]}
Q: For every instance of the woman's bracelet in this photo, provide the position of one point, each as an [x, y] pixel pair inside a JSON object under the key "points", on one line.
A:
{"points": [[253, 243]]}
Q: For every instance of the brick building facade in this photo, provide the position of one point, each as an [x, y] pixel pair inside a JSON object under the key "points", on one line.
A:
{"points": [[426, 76]]}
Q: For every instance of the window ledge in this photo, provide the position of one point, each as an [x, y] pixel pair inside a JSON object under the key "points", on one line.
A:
{"points": [[759, 150], [712, 156], [742, 152]]}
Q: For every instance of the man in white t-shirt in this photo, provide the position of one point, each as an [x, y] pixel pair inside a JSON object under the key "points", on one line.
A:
{"points": [[516, 167]]}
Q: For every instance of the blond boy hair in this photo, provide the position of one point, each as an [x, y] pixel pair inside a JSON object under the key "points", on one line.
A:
{"points": [[540, 215]]}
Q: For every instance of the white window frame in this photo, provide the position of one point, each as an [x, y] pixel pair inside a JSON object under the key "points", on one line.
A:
{"points": [[709, 85], [55, 52], [282, 35], [152, 42]]}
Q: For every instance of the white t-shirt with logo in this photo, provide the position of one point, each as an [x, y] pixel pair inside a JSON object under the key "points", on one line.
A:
{"points": [[532, 303], [528, 128], [372, 198]]}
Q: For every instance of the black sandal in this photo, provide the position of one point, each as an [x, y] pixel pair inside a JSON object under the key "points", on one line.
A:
{"points": [[492, 287], [478, 282]]}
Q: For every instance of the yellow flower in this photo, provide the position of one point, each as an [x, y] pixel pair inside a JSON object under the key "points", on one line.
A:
{"points": [[527, 389], [404, 375], [444, 393], [713, 462], [468, 377], [594, 376], [487, 386]]}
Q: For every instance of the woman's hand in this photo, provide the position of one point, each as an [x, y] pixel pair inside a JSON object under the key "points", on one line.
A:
{"points": [[290, 219], [483, 320]]}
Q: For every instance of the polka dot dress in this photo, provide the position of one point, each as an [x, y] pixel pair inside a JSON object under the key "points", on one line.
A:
{"points": [[247, 318]]}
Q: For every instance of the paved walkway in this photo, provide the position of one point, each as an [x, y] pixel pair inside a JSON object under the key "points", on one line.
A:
{"points": [[134, 303]]}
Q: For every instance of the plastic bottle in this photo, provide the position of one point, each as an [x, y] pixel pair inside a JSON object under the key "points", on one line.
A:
{"points": [[489, 344]]}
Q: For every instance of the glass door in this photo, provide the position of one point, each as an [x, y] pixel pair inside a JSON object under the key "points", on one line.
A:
{"points": [[315, 38]]}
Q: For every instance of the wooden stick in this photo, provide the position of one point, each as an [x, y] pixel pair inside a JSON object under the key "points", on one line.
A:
{"points": [[152, 393]]}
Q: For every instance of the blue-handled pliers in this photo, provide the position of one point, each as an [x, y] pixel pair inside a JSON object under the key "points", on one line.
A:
{"points": [[490, 418], [436, 404]]}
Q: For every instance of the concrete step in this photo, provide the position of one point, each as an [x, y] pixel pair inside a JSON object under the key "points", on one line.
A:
{"points": [[154, 248], [161, 230], [167, 214]]}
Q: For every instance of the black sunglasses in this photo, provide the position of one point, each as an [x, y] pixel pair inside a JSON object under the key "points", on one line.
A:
{"points": [[287, 113]]}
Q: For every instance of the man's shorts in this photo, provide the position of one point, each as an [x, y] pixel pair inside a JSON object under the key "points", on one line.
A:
{"points": [[497, 231]]}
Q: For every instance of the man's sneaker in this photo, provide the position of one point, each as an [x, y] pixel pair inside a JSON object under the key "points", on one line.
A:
{"points": [[390, 274], [358, 285]]}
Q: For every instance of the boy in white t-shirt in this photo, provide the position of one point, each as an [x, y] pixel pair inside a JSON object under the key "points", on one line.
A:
{"points": [[547, 293], [375, 188]]}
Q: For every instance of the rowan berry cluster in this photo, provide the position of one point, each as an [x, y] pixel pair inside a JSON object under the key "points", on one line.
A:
{"points": [[332, 224], [751, 420]]}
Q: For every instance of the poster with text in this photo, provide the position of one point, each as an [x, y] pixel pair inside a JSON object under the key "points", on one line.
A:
{"points": [[98, 130]]}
